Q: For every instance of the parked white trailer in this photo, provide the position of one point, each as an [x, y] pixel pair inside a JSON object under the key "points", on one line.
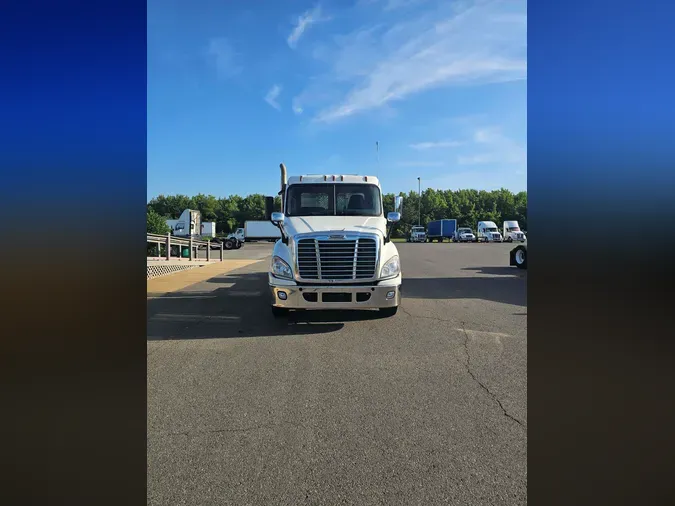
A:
{"points": [[487, 231], [512, 232], [189, 224], [261, 231]]}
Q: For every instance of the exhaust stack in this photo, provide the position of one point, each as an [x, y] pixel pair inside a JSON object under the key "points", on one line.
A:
{"points": [[283, 184]]}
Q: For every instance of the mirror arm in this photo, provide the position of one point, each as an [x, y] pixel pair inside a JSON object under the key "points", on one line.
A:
{"points": [[284, 236], [389, 229]]}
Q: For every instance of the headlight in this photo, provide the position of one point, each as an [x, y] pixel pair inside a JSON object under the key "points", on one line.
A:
{"points": [[281, 269], [391, 269]]}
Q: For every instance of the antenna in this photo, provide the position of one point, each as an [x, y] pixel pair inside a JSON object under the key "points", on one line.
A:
{"points": [[377, 150]]}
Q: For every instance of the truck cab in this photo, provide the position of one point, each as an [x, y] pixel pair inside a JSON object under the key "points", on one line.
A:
{"points": [[464, 234], [488, 232], [512, 232], [238, 234], [335, 250], [417, 234]]}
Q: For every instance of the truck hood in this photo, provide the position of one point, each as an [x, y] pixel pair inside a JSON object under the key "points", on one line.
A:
{"points": [[349, 224]]}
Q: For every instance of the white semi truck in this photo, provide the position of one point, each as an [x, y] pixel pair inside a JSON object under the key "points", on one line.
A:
{"points": [[335, 250], [512, 232], [487, 231]]}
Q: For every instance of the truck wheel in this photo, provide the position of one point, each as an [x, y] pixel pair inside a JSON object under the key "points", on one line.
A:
{"points": [[229, 244], [237, 245], [388, 311], [521, 257], [279, 312]]}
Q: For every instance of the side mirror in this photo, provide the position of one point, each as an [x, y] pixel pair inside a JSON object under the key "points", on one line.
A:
{"points": [[393, 217], [398, 205], [269, 207], [277, 218]]}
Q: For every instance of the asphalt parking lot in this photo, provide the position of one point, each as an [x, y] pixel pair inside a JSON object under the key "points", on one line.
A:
{"points": [[426, 407]]}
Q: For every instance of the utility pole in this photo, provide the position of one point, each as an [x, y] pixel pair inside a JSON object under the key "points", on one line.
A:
{"points": [[419, 205]]}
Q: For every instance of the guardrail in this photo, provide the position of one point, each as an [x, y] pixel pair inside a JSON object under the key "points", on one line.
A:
{"points": [[193, 244]]}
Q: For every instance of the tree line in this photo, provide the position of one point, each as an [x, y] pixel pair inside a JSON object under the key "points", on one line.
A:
{"points": [[468, 207]]}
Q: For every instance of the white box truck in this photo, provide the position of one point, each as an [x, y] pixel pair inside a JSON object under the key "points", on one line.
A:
{"points": [[261, 231], [487, 231], [335, 250], [512, 232], [208, 229], [417, 234], [464, 234]]}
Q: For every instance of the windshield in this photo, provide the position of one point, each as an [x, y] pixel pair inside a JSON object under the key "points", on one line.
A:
{"points": [[418, 229], [464, 230], [333, 199], [514, 229], [492, 229]]}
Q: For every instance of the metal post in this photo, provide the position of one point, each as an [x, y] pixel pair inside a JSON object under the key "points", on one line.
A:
{"points": [[419, 205], [208, 250], [192, 252], [221, 250], [168, 246]]}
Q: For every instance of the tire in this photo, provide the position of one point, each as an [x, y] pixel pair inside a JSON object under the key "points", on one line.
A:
{"points": [[279, 312], [238, 245], [520, 257], [229, 244], [388, 312]]}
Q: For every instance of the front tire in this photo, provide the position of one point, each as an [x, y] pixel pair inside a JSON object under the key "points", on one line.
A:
{"points": [[279, 312], [520, 257], [388, 312]]}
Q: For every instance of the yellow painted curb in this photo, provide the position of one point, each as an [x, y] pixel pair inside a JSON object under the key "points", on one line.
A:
{"points": [[179, 280]]}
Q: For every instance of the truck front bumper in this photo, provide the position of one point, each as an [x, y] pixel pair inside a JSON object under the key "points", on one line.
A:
{"points": [[287, 294]]}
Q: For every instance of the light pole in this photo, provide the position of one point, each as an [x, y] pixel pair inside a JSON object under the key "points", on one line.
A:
{"points": [[419, 204]]}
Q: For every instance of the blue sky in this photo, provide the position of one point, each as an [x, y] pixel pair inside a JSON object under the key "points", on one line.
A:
{"points": [[236, 87]]}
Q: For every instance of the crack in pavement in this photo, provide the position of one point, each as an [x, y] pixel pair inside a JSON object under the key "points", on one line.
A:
{"points": [[238, 429], [425, 317], [494, 397]]}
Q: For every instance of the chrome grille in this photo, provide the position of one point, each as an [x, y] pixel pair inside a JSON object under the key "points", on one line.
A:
{"points": [[338, 260]]}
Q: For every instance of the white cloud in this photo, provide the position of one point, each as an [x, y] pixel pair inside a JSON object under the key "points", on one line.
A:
{"points": [[460, 43], [434, 145], [272, 95], [303, 22], [495, 148], [223, 56]]}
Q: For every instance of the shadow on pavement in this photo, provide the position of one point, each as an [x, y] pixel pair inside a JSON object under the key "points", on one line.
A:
{"points": [[498, 271], [239, 310], [504, 289]]}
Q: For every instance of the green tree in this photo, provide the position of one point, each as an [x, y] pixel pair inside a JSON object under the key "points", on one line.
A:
{"points": [[155, 223]]}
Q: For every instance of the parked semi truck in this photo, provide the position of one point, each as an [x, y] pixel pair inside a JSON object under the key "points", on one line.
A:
{"points": [[261, 231], [512, 232], [335, 250], [487, 231], [441, 229]]}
